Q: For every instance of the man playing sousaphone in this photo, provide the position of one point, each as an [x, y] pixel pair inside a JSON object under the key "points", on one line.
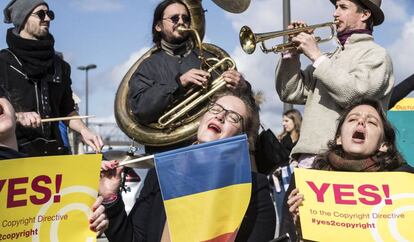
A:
{"points": [[171, 70], [359, 67]]}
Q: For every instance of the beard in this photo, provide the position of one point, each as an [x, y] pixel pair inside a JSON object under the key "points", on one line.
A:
{"points": [[39, 32], [42, 34], [176, 40]]}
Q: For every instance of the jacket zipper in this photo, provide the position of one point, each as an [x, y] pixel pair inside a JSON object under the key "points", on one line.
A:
{"points": [[37, 102]]}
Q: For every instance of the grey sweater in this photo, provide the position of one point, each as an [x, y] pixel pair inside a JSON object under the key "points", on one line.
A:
{"points": [[362, 68]]}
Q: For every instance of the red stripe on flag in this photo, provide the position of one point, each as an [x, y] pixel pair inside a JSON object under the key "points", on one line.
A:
{"points": [[229, 237]]}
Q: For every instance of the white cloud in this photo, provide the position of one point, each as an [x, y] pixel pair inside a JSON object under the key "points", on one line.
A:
{"points": [[395, 10], [119, 71], [402, 51], [258, 69], [98, 5]]}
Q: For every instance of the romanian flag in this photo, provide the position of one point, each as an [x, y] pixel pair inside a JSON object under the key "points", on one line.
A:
{"points": [[206, 189]]}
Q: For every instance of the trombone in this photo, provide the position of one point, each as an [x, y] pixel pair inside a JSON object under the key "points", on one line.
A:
{"points": [[248, 39], [195, 97]]}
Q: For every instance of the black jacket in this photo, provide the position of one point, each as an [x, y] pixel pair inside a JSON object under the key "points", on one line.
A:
{"points": [[147, 218], [7, 153], [155, 86], [51, 96]]}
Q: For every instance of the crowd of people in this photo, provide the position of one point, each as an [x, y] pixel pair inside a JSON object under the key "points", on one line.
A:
{"points": [[347, 91]]}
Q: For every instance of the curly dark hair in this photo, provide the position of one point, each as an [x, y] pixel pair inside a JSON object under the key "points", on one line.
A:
{"points": [[388, 160]]}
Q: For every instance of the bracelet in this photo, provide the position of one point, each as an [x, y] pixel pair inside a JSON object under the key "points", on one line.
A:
{"points": [[110, 200]]}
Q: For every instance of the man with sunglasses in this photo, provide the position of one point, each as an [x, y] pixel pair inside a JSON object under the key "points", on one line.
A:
{"points": [[171, 70], [38, 80]]}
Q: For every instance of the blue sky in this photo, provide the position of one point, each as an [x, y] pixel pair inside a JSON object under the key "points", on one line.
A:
{"points": [[114, 33]]}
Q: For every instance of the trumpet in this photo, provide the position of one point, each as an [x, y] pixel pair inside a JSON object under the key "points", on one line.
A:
{"points": [[249, 40]]}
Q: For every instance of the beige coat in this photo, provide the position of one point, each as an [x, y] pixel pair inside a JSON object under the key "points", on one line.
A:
{"points": [[363, 68]]}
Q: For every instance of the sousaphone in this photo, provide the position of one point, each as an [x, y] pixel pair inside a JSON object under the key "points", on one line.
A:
{"points": [[186, 127]]}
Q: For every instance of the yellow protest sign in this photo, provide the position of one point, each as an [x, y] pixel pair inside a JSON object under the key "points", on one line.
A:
{"points": [[48, 198], [405, 104], [350, 206]]}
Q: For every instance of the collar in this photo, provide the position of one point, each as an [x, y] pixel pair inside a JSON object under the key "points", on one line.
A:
{"points": [[181, 50], [337, 162], [344, 36]]}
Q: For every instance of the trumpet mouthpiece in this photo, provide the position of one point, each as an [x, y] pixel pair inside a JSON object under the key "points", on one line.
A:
{"points": [[182, 29]]}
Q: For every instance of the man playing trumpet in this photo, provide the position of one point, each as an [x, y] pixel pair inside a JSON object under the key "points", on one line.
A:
{"points": [[359, 67]]}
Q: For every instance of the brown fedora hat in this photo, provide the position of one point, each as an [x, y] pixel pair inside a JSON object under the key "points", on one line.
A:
{"points": [[375, 7]]}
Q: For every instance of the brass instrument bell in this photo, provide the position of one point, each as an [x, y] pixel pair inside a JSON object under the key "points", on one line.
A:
{"points": [[249, 40]]}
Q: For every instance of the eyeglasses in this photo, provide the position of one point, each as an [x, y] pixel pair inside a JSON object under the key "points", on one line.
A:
{"points": [[176, 17], [42, 14], [229, 115]]}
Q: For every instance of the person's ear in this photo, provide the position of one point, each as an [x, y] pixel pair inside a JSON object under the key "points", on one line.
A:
{"points": [[383, 147], [338, 140], [158, 26], [366, 14]]}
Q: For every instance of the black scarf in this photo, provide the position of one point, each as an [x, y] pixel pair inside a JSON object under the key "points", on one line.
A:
{"points": [[36, 55]]}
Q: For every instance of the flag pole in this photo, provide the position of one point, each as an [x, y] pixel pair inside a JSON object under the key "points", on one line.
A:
{"points": [[137, 160]]}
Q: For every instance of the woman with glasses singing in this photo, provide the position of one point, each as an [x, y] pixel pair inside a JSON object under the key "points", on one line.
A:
{"points": [[171, 69], [229, 114]]}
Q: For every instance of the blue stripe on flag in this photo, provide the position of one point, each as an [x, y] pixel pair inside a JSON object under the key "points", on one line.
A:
{"points": [[203, 167]]}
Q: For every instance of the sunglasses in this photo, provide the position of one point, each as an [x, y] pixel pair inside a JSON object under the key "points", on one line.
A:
{"points": [[176, 17], [42, 14]]}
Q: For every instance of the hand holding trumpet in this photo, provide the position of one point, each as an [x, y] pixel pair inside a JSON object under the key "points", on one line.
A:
{"points": [[305, 41]]}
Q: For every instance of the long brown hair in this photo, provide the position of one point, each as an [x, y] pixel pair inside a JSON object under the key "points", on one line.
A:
{"points": [[296, 117], [388, 160]]}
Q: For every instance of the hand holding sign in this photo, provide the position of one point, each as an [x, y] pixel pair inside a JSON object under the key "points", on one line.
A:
{"points": [[295, 199]]}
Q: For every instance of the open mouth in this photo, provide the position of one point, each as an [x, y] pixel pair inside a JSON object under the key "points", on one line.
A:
{"points": [[359, 135], [214, 128]]}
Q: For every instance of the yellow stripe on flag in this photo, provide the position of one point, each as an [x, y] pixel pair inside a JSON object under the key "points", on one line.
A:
{"points": [[221, 209]]}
